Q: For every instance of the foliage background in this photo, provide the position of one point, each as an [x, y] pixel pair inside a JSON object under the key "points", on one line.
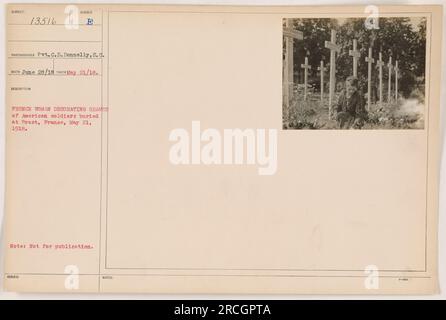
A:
{"points": [[402, 38]]}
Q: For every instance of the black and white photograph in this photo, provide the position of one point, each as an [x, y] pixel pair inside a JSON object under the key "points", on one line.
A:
{"points": [[354, 73]]}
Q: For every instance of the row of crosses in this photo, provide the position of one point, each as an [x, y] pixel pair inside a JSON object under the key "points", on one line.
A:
{"points": [[288, 81]]}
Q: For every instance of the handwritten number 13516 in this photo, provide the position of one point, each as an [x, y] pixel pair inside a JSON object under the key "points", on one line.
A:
{"points": [[43, 21]]}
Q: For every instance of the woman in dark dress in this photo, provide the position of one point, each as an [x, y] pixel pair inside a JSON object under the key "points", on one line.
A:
{"points": [[350, 108]]}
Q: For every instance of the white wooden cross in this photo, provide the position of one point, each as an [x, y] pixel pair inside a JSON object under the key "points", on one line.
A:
{"points": [[321, 69], [355, 54], [288, 65], [396, 79], [306, 67], [389, 89], [380, 64], [333, 49], [370, 61]]}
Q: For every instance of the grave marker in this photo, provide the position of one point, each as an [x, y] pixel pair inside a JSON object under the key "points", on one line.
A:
{"points": [[306, 67], [396, 80], [333, 49], [355, 54], [389, 89], [321, 68], [288, 65], [380, 64], [370, 61]]}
